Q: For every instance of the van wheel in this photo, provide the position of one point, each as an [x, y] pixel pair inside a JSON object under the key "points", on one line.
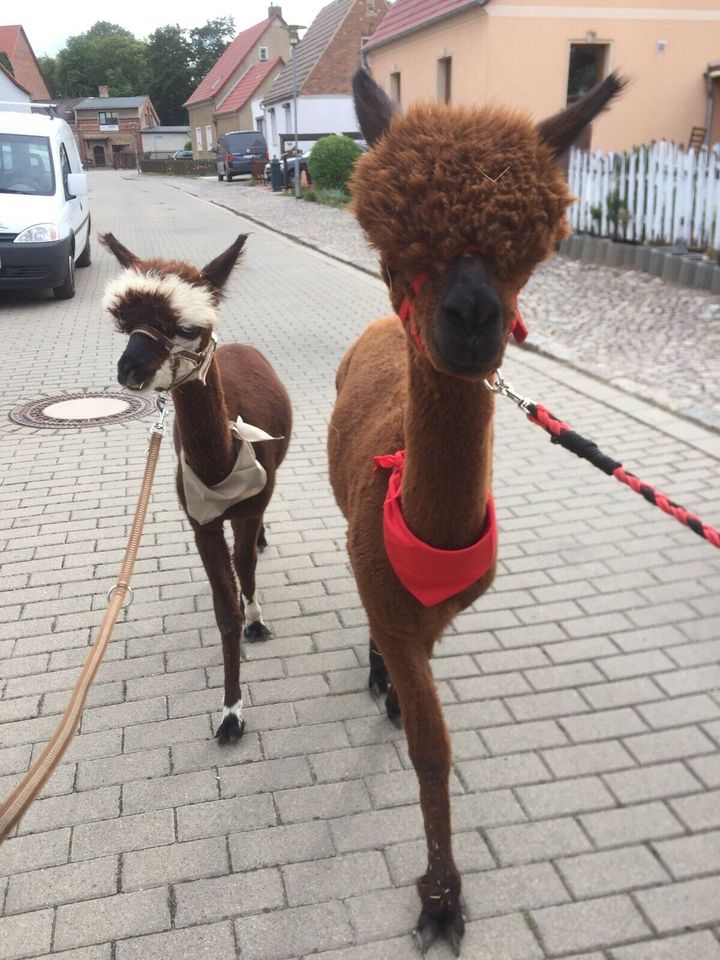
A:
{"points": [[85, 258], [67, 290]]}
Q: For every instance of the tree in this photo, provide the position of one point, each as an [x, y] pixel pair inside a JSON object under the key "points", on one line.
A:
{"points": [[207, 44], [5, 62], [106, 54], [171, 78], [48, 68]]}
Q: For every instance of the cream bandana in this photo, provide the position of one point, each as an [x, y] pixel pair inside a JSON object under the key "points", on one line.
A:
{"points": [[247, 477]]}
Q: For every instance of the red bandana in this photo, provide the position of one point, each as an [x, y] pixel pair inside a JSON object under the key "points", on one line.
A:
{"points": [[429, 574]]}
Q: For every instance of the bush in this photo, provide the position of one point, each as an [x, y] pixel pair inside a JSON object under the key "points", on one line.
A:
{"points": [[309, 195], [332, 197], [331, 162]]}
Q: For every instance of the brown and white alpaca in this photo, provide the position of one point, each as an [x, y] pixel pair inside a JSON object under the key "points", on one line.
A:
{"points": [[461, 205], [169, 310]]}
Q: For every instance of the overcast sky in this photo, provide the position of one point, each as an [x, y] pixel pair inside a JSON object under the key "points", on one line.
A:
{"points": [[48, 25]]}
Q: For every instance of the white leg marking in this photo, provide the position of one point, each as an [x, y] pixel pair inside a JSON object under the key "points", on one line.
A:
{"points": [[253, 612], [236, 708]]}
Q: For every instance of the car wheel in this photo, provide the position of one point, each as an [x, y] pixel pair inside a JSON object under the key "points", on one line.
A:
{"points": [[85, 258], [67, 290]]}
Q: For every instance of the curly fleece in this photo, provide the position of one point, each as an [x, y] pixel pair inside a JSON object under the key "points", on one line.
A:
{"points": [[422, 194]]}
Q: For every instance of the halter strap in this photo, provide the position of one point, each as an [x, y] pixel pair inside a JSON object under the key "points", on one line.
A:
{"points": [[199, 360], [406, 313]]}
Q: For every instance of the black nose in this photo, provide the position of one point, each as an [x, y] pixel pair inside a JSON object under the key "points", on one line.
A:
{"points": [[468, 329], [129, 374]]}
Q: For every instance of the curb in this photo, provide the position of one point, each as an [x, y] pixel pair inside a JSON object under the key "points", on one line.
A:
{"points": [[688, 270]]}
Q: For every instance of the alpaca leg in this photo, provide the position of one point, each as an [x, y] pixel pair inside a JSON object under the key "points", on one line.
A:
{"points": [[246, 533], [262, 539], [379, 683], [215, 556], [429, 748]]}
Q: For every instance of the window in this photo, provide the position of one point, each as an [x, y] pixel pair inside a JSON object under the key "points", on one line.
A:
{"points": [[107, 119], [260, 124], [273, 125], [395, 88], [209, 136], [444, 77], [264, 54], [371, 8], [25, 165], [198, 137], [587, 67], [288, 125], [65, 168]]}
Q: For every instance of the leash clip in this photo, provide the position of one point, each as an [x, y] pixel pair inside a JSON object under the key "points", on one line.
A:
{"points": [[161, 402], [502, 387]]}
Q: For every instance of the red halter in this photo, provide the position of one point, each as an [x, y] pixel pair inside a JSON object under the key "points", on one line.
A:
{"points": [[406, 313]]}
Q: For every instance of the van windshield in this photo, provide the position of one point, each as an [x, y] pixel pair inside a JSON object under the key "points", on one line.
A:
{"points": [[249, 142], [26, 165]]}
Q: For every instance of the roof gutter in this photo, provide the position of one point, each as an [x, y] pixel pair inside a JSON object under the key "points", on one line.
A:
{"points": [[422, 26]]}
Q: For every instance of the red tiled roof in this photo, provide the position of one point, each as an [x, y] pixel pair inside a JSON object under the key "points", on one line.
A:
{"points": [[212, 83], [248, 84], [406, 16], [9, 37]]}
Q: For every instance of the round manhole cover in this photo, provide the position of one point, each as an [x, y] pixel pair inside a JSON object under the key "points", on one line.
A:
{"points": [[81, 410]]}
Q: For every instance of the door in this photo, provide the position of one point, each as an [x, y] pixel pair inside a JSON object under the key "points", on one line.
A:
{"points": [[77, 206], [99, 155]]}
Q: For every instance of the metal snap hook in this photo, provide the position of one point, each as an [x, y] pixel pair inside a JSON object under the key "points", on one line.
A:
{"points": [[128, 599]]}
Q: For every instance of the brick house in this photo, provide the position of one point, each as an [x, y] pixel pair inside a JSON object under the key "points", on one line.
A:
{"points": [[539, 55], [26, 70], [247, 68], [108, 129], [326, 58]]}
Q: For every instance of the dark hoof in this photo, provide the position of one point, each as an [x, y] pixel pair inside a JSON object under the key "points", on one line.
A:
{"points": [[230, 729], [449, 927], [256, 631], [261, 540]]}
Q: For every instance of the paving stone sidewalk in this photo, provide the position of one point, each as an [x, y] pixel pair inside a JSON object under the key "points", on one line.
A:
{"points": [[582, 692], [652, 339]]}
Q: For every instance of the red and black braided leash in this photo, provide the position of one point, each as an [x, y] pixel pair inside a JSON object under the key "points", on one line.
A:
{"points": [[588, 450]]}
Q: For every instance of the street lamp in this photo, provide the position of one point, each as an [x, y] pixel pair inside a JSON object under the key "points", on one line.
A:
{"points": [[294, 40]]}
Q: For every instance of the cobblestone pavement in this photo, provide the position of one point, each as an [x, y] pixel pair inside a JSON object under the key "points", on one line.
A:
{"points": [[648, 337], [582, 692]]}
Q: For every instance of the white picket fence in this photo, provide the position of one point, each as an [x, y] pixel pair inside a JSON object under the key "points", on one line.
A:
{"points": [[657, 194]]}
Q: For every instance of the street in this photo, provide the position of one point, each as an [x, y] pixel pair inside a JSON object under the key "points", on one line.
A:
{"points": [[582, 692]]}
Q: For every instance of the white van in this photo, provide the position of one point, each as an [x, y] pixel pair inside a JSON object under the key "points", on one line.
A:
{"points": [[44, 211]]}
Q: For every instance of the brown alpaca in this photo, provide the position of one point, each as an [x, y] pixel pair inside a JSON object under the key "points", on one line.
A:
{"points": [[461, 204], [169, 309]]}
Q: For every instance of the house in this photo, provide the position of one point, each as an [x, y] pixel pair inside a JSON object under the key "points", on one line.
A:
{"points": [[108, 129], [221, 101], [539, 55], [158, 143], [325, 60], [25, 68], [13, 95]]}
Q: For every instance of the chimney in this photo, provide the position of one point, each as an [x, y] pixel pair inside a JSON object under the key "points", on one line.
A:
{"points": [[274, 11], [103, 91]]}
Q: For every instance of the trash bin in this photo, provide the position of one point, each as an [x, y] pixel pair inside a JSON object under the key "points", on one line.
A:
{"points": [[276, 175]]}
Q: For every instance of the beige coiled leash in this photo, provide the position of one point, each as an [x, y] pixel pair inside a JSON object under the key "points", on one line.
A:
{"points": [[15, 805]]}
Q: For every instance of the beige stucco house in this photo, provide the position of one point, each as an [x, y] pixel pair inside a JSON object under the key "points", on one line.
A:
{"points": [[246, 70], [538, 55]]}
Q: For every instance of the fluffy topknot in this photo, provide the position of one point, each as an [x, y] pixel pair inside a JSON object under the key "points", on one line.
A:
{"points": [[423, 194]]}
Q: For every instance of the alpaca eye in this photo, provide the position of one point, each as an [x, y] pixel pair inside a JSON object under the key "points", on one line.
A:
{"points": [[189, 333]]}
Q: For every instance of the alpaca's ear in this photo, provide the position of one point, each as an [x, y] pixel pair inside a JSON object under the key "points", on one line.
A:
{"points": [[219, 269], [373, 107], [561, 130], [124, 256]]}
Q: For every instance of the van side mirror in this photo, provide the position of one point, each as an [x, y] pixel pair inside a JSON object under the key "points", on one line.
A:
{"points": [[77, 184]]}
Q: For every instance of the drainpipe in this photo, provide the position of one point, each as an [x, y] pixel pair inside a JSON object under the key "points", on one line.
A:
{"points": [[711, 74]]}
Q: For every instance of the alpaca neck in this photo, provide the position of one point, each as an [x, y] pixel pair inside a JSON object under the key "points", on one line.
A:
{"points": [[448, 468], [202, 419]]}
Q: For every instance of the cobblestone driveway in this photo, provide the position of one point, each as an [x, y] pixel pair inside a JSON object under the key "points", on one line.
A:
{"points": [[582, 692]]}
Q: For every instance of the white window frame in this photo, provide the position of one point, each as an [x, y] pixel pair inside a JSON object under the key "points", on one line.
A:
{"points": [[264, 54], [209, 135], [198, 138]]}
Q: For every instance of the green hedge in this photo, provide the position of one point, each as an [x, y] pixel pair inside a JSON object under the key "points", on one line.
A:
{"points": [[183, 168], [331, 162]]}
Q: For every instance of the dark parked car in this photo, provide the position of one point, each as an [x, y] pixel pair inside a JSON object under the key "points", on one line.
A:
{"points": [[236, 152], [182, 155]]}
